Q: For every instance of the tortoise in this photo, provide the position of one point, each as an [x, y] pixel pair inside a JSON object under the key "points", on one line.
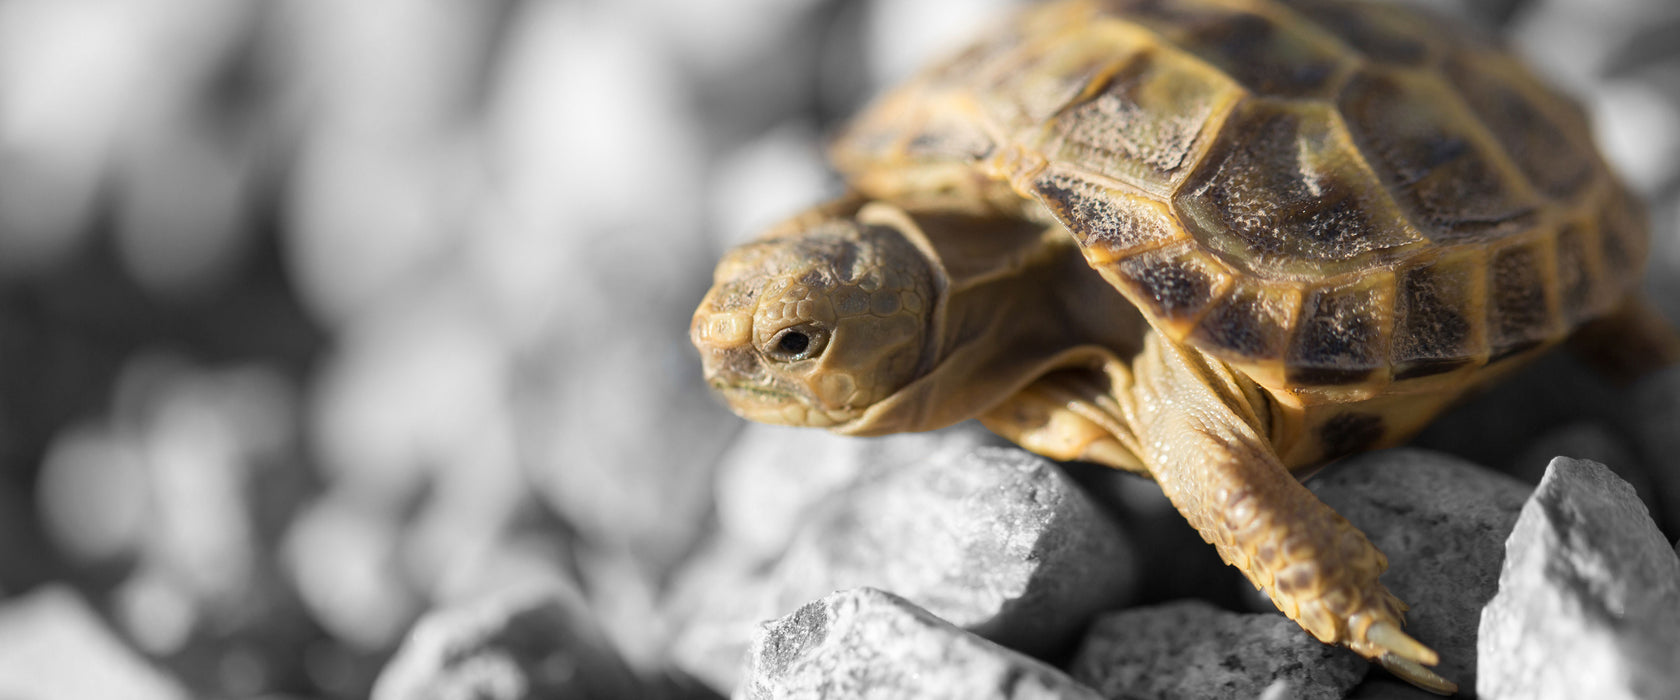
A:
{"points": [[1325, 221]]}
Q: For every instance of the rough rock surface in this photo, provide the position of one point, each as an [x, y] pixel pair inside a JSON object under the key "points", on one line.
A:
{"points": [[869, 643], [54, 647], [769, 482], [1442, 522], [1589, 599], [1193, 650], [995, 540], [772, 476], [529, 644]]}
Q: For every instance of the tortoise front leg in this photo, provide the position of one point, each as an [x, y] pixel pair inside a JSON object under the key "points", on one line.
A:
{"points": [[1199, 437], [1195, 427]]}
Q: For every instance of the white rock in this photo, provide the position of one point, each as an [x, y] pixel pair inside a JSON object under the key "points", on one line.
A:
{"points": [[1191, 649], [54, 647], [1589, 600], [773, 476], [994, 540], [869, 643], [535, 643]]}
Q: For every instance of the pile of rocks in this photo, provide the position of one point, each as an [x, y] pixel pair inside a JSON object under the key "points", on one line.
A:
{"points": [[983, 572], [332, 329]]}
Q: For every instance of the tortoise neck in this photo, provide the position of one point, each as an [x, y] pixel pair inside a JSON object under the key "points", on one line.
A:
{"points": [[1000, 328]]}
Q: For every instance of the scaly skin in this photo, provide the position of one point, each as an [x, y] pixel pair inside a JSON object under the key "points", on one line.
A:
{"points": [[1230, 486], [1197, 432]]}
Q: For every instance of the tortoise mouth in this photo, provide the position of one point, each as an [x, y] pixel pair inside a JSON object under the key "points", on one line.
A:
{"points": [[780, 407]]}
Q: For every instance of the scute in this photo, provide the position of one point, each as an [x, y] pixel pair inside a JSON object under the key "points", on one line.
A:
{"points": [[1534, 128], [1434, 328], [1520, 314], [1579, 279], [1263, 54], [1109, 222], [1149, 123], [1382, 34], [1252, 322], [1435, 158], [1173, 284], [947, 136], [1282, 191], [1622, 230], [1047, 76], [1340, 333]]}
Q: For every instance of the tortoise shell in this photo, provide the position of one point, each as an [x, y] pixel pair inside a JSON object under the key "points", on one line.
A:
{"points": [[1323, 194]]}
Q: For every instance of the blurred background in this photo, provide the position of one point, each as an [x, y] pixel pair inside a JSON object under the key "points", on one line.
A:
{"points": [[316, 315]]}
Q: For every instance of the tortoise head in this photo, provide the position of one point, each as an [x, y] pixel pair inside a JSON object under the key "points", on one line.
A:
{"points": [[816, 322]]}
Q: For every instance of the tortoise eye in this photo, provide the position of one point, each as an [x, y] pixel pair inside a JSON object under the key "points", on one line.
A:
{"points": [[801, 342]]}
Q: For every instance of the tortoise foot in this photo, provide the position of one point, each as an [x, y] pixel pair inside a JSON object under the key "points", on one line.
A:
{"points": [[1372, 627], [1324, 574]]}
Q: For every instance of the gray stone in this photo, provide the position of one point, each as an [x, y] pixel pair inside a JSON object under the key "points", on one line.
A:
{"points": [[1589, 599], [1191, 649], [769, 482], [54, 647], [1442, 522], [537, 643], [869, 643], [995, 540], [772, 476]]}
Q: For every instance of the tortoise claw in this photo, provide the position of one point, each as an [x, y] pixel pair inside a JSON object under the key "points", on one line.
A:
{"points": [[1387, 636], [1414, 673], [1405, 657]]}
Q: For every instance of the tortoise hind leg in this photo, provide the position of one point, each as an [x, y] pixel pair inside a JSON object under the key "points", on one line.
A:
{"points": [[1208, 454], [1630, 342]]}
